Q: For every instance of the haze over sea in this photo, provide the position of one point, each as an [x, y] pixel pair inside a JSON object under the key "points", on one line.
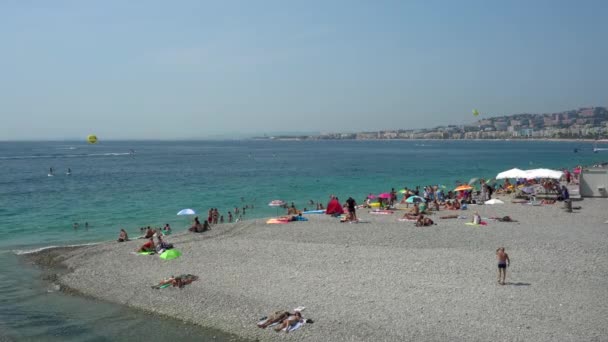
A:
{"points": [[111, 189]]}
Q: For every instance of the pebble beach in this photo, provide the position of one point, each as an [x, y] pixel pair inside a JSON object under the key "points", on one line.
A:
{"points": [[377, 280]]}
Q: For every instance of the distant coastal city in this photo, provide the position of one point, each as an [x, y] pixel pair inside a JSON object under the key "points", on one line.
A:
{"points": [[582, 123]]}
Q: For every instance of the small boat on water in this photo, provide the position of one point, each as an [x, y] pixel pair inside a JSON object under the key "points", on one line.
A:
{"points": [[597, 149]]}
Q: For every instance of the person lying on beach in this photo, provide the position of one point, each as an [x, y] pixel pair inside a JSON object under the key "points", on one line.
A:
{"points": [[424, 221], [179, 281], [276, 317], [503, 219], [413, 214], [290, 321], [122, 236], [547, 201], [147, 247]]}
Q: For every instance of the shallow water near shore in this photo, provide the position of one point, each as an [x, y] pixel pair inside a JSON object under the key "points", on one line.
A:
{"points": [[110, 188], [34, 309]]}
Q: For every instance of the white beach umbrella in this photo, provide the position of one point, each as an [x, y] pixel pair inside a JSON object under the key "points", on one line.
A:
{"points": [[513, 173], [277, 204], [186, 212], [544, 173], [494, 201]]}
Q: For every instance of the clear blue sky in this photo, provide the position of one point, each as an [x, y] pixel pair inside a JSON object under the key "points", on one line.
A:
{"points": [[192, 69]]}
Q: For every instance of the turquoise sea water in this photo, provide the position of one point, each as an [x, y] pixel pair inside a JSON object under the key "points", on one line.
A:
{"points": [[110, 189]]}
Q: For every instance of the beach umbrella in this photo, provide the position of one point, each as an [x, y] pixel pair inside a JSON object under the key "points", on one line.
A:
{"points": [[414, 199], [186, 212], [402, 191], [170, 254], [513, 173], [463, 187], [543, 173], [277, 204], [494, 201], [473, 180], [370, 196], [384, 195]]}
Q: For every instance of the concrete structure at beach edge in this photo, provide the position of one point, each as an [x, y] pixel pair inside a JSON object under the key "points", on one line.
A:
{"points": [[594, 182]]}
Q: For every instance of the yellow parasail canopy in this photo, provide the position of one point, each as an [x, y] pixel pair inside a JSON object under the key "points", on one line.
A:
{"points": [[92, 139]]}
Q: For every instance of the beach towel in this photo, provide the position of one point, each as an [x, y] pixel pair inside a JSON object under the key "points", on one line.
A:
{"points": [[482, 223], [407, 220], [300, 218], [276, 221], [143, 253], [381, 212], [294, 327]]}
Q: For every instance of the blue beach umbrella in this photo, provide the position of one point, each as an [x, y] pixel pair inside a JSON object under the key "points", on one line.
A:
{"points": [[414, 199]]}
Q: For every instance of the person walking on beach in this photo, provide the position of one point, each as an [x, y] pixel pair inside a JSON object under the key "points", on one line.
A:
{"points": [[503, 263]]}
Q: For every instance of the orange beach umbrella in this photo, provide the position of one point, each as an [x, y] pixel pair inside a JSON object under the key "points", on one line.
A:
{"points": [[463, 187]]}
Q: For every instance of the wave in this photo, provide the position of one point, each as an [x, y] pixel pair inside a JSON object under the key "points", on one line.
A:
{"points": [[40, 249], [67, 155]]}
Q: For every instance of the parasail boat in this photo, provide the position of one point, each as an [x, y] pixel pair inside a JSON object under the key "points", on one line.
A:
{"points": [[598, 149]]}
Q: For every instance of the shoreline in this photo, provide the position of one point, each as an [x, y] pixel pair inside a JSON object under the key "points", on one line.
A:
{"points": [[51, 261], [350, 276]]}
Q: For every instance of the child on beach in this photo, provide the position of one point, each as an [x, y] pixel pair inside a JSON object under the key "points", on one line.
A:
{"points": [[503, 263]]}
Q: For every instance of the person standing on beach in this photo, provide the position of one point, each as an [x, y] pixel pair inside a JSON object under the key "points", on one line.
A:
{"points": [[229, 217], [503, 263], [351, 204]]}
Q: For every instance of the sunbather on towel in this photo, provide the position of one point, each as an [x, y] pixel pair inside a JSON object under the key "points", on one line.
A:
{"points": [[276, 317], [424, 221], [147, 247], [290, 321], [413, 214]]}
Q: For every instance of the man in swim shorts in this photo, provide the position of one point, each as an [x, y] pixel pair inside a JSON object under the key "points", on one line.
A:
{"points": [[503, 263]]}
